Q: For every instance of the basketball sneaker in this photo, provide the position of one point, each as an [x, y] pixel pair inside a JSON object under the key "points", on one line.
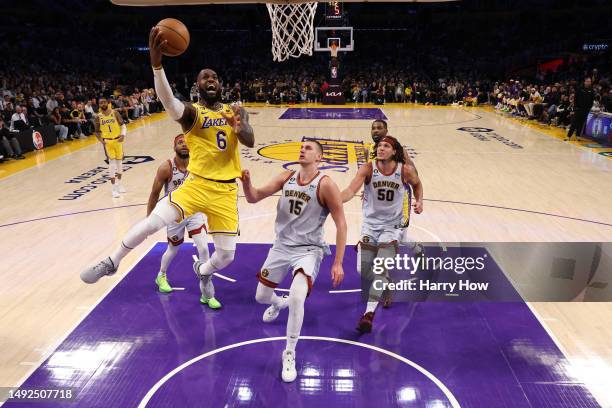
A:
{"points": [[289, 373], [273, 311], [162, 283], [103, 268], [122, 189], [115, 191], [365, 323], [211, 302]]}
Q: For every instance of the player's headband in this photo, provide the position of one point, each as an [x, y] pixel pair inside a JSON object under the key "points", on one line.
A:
{"points": [[389, 140]]}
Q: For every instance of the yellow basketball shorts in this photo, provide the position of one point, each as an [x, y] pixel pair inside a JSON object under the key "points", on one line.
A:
{"points": [[113, 149], [218, 201]]}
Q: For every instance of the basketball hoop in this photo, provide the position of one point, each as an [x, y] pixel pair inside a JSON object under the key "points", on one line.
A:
{"points": [[292, 29]]}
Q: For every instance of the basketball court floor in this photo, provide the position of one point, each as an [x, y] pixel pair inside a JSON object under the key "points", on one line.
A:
{"points": [[119, 343]]}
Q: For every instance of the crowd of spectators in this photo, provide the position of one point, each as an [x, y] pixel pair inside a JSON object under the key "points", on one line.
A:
{"points": [[439, 60], [69, 102]]}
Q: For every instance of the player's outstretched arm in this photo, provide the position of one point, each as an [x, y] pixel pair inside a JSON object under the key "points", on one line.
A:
{"points": [[330, 196], [164, 172], [411, 176], [356, 183], [181, 112], [254, 195]]}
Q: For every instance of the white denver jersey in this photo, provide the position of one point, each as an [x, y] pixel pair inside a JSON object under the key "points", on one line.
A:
{"points": [[383, 197], [299, 214], [178, 177]]}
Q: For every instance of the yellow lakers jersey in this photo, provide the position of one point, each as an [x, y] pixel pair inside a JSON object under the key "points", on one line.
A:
{"points": [[109, 126], [371, 151], [213, 145]]}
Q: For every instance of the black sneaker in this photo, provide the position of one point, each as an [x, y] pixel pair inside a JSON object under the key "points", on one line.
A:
{"points": [[365, 323]]}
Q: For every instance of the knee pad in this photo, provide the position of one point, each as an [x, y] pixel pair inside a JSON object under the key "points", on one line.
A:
{"points": [[154, 224], [223, 258], [263, 294], [299, 290], [171, 250]]}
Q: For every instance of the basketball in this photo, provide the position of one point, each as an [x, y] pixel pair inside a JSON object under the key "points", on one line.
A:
{"points": [[177, 35]]}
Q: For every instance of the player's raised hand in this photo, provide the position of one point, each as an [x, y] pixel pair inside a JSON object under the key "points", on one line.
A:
{"points": [[156, 44], [337, 273], [233, 120]]}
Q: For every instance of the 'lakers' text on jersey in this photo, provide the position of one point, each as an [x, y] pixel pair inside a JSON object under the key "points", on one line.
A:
{"points": [[109, 127], [383, 197], [178, 177], [300, 215], [213, 145]]}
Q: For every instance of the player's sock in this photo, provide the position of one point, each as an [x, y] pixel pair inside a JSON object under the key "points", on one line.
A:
{"points": [[167, 257], [297, 297], [371, 307], [207, 288], [136, 235]]}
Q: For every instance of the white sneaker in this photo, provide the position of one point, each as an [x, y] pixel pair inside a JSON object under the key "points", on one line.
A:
{"points": [[273, 311], [122, 189], [289, 373], [102, 268], [115, 192]]}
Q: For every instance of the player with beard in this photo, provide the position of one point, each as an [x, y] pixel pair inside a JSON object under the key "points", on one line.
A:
{"points": [[110, 131], [170, 175], [212, 132]]}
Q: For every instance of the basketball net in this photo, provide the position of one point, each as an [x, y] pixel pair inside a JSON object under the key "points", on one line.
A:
{"points": [[292, 29]]}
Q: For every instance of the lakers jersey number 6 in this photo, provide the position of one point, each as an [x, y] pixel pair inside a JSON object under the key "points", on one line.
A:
{"points": [[213, 145]]}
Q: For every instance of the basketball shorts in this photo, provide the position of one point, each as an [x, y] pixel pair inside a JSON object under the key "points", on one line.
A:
{"points": [[380, 235], [194, 225], [282, 259], [217, 201], [113, 149]]}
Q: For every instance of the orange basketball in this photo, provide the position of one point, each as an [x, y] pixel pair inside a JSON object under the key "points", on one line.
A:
{"points": [[177, 35]]}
